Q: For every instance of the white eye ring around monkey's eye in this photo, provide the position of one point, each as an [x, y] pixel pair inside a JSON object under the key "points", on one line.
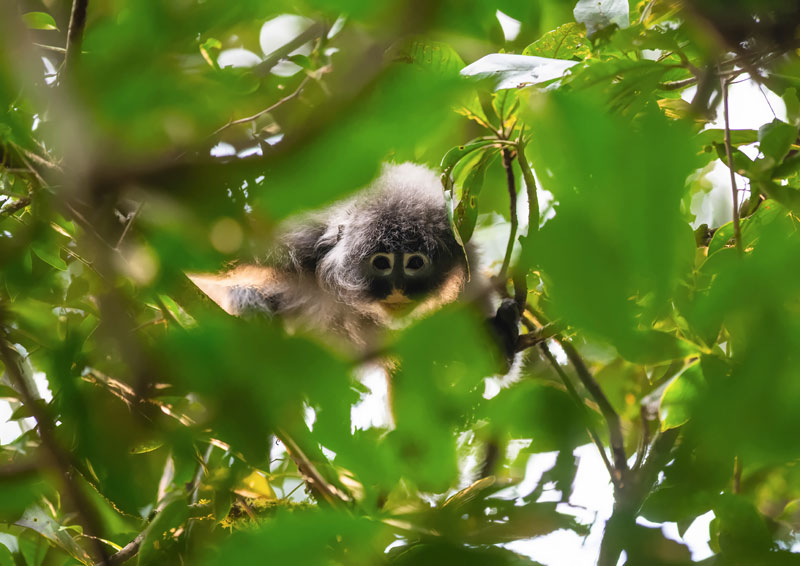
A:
{"points": [[382, 263], [414, 263]]}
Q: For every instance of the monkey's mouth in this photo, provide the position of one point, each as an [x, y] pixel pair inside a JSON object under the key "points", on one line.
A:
{"points": [[397, 303]]}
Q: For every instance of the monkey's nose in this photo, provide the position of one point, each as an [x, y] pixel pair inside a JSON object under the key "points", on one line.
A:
{"points": [[396, 297]]}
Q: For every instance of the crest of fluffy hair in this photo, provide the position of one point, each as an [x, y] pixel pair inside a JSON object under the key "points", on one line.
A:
{"points": [[404, 204]]}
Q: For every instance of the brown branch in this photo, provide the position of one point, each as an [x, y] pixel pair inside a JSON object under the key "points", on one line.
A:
{"points": [[57, 458], [737, 231], [629, 499], [315, 30], [313, 478], [77, 24], [615, 437], [15, 206], [196, 510], [580, 404]]}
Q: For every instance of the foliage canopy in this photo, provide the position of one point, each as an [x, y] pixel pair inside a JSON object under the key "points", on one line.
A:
{"points": [[140, 140]]}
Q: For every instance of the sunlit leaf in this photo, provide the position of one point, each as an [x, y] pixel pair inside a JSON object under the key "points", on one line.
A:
{"points": [[39, 20], [599, 14], [564, 42], [506, 70]]}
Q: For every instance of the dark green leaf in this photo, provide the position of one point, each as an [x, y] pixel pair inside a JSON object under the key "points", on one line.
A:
{"points": [[775, 139]]}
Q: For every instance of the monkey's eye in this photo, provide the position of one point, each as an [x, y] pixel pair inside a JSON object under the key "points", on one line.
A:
{"points": [[414, 263], [382, 263]]}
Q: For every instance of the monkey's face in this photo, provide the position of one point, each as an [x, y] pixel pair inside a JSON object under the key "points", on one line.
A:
{"points": [[398, 280], [408, 263]]}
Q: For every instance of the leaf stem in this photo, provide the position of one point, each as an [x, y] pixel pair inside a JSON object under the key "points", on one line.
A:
{"points": [[508, 161], [737, 231]]}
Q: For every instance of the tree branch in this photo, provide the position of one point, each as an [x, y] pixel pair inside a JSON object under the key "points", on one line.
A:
{"points": [[615, 437], [579, 402], [57, 457], [15, 206], [77, 24], [315, 30], [629, 499]]}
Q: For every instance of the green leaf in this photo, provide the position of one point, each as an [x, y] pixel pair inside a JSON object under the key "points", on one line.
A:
{"points": [[599, 14], [466, 213], [538, 411], [49, 256], [456, 154], [792, 102], [776, 138], [16, 495], [177, 312], [609, 268], [742, 530], [434, 55], [6, 558], [7, 392], [721, 238], [160, 536], [786, 195], [39, 20], [39, 520], [565, 42], [707, 138], [681, 397]]}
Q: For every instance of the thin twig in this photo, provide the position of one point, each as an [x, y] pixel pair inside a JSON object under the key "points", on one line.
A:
{"points": [[15, 206], [508, 161], [737, 231], [315, 30], [260, 113], [57, 457], [615, 437], [50, 48], [580, 404], [128, 224], [38, 159], [77, 24]]}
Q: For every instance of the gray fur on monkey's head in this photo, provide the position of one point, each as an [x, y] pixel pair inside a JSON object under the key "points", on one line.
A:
{"points": [[401, 215]]}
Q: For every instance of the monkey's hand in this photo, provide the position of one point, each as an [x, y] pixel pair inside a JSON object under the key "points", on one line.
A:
{"points": [[504, 326]]}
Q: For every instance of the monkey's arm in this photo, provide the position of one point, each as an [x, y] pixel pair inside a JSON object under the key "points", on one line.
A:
{"points": [[246, 289]]}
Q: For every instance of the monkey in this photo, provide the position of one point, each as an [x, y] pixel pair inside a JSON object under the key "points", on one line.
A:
{"points": [[363, 265]]}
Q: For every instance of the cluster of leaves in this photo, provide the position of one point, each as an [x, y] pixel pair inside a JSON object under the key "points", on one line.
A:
{"points": [[142, 140]]}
